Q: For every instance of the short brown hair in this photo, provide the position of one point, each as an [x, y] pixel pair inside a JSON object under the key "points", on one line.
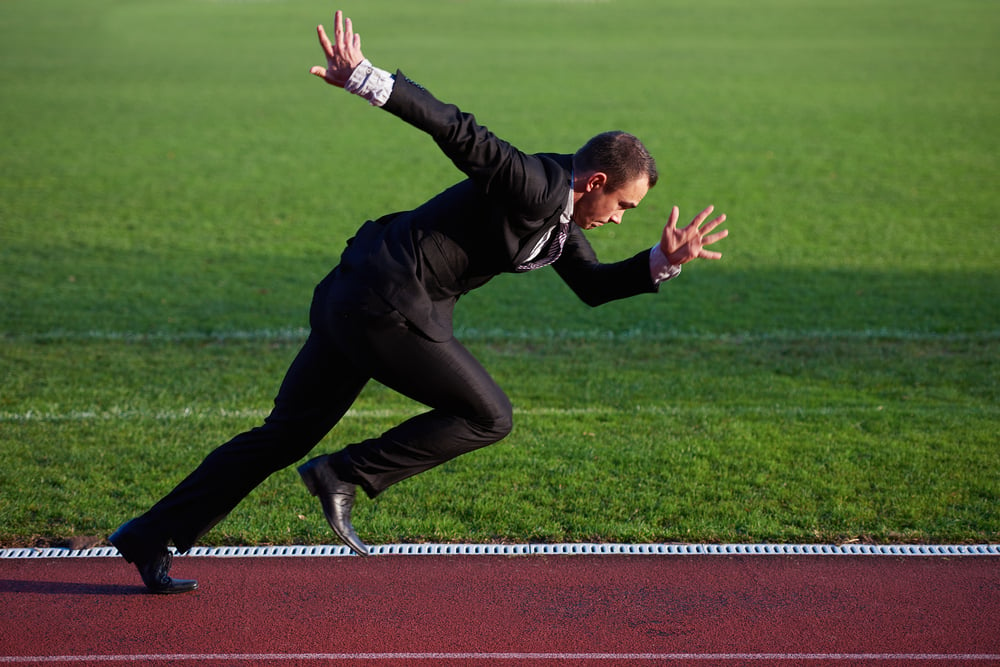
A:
{"points": [[618, 154]]}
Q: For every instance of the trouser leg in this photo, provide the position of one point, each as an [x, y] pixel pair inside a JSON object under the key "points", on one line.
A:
{"points": [[317, 391], [468, 409], [346, 348]]}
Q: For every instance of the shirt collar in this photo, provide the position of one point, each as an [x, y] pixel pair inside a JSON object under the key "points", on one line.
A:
{"points": [[567, 214]]}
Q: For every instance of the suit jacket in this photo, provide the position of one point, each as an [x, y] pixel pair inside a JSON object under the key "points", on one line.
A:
{"points": [[421, 261]]}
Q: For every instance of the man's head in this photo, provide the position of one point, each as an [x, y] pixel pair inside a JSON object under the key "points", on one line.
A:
{"points": [[611, 173]]}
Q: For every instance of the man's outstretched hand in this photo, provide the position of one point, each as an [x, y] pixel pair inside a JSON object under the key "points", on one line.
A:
{"points": [[342, 55], [682, 245]]}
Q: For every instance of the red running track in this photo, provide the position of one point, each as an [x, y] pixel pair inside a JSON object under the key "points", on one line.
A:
{"points": [[523, 610]]}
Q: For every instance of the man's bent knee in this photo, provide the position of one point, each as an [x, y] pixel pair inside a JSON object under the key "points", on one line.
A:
{"points": [[497, 425]]}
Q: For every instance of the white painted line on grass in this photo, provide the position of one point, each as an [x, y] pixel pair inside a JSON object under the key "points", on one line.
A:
{"points": [[298, 334], [128, 414]]}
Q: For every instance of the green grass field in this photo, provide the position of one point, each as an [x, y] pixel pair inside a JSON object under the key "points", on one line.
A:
{"points": [[173, 183]]}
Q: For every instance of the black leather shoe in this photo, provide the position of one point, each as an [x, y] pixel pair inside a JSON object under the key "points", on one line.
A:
{"points": [[152, 561], [154, 575], [336, 497]]}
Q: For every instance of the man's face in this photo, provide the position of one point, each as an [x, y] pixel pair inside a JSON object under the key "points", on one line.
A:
{"points": [[597, 206]]}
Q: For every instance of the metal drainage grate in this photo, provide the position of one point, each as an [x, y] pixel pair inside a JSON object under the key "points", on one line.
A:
{"points": [[549, 549]]}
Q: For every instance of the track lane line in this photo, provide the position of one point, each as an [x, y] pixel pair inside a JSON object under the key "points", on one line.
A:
{"points": [[413, 657]]}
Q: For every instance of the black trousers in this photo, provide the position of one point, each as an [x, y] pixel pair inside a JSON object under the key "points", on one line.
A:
{"points": [[354, 338]]}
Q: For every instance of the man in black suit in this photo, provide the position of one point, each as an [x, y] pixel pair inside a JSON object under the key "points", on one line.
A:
{"points": [[385, 312]]}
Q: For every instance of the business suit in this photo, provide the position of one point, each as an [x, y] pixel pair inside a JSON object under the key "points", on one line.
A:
{"points": [[385, 313], [421, 261]]}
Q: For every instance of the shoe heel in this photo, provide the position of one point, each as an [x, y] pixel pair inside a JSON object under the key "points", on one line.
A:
{"points": [[306, 472]]}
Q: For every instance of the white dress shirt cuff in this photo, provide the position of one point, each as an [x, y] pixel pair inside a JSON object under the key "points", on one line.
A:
{"points": [[371, 83], [661, 270]]}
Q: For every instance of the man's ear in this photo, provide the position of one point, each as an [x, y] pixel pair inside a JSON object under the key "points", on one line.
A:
{"points": [[597, 180]]}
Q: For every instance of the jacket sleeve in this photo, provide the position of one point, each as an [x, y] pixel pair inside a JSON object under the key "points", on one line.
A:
{"points": [[596, 283], [494, 164]]}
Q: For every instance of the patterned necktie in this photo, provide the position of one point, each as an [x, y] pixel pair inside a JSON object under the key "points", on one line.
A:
{"points": [[550, 252]]}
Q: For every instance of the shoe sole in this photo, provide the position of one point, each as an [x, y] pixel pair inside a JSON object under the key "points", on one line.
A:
{"points": [[175, 588]]}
